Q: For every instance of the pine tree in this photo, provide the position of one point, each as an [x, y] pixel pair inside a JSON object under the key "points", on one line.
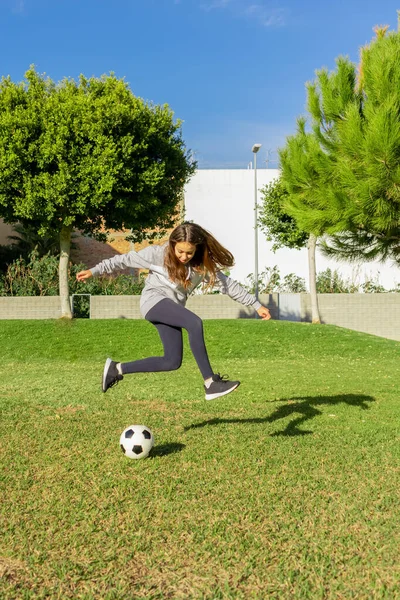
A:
{"points": [[368, 165], [309, 160]]}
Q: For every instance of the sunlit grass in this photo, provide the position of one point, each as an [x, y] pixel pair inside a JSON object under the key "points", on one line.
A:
{"points": [[287, 488]]}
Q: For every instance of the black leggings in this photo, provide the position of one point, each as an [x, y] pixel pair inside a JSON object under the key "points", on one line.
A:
{"points": [[170, 318]]}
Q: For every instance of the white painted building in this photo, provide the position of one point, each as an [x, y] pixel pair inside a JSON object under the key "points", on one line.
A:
{"points": [[222, 201]]}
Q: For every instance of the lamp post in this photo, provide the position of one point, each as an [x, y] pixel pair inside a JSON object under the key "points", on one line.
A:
{"points": [[255, 149]]}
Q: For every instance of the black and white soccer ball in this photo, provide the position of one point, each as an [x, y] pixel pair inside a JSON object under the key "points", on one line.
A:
{"points": [[136, 441]]}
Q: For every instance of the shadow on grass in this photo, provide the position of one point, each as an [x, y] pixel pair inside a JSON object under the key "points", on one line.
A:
{"points": [[165, 449], [303, 406]]}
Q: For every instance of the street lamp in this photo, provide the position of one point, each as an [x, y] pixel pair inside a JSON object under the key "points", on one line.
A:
{"points": [[255, 149]]}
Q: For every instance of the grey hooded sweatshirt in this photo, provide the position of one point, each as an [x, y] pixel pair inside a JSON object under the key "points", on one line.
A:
{"points": [[158, 286]]}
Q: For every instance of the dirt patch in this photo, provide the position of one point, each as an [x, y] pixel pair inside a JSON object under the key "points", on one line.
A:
{"points": [[12, 570]]}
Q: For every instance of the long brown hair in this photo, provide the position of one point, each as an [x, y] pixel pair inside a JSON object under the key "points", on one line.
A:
{"points": [[210, 256]]}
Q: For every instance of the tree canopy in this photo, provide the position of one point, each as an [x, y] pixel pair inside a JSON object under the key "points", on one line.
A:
{"points": [[279, 227], [364, 138], [87, 155]]}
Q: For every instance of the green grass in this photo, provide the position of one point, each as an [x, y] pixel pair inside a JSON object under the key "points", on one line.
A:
{"points": [[287, 488]]}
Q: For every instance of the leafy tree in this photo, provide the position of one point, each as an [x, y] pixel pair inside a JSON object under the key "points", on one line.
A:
{"points": [[87, 155], [303, 180], [279, 227]]}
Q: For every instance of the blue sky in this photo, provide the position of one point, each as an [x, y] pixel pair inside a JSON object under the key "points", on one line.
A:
{"points": [[232, 70]]}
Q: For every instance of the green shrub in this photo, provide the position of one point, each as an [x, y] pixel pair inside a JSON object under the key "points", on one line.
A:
{"points": [[8, 254], [31, 277], [38, 276], [270, 281], [293, 284]]}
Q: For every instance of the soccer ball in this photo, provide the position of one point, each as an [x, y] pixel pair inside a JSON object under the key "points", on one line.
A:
{"points": [[136, 441]]}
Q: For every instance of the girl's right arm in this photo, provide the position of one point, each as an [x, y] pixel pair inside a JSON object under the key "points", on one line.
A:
{"points": [[144, 259], [83, 275]]}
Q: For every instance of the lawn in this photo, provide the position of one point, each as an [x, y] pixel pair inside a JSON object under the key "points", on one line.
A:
{"points": [[287, 488]]}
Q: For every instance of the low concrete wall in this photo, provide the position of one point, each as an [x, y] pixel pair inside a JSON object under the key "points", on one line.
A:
{"points": [[378, 314], [209, 306], [115, 307], [30, 307], [219, 306]]}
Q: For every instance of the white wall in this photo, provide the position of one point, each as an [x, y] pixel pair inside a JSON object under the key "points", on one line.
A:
{"points": [[222, 201]]}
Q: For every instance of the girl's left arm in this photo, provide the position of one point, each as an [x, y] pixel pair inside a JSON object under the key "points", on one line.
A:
{"points": [[234, 290]]}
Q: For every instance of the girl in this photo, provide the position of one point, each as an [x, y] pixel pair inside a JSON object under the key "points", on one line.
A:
{"points": [[191, 256]]}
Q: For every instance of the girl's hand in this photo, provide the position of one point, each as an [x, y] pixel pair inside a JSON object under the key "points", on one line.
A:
{"points": [[264, 313], [83, 275]]}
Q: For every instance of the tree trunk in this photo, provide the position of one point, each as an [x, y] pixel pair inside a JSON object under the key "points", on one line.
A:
{"points": [[65, 247], [312, 242]]}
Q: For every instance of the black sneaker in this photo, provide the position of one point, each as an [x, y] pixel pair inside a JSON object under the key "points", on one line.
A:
{"points": [[220, 386], [110, 375]]}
